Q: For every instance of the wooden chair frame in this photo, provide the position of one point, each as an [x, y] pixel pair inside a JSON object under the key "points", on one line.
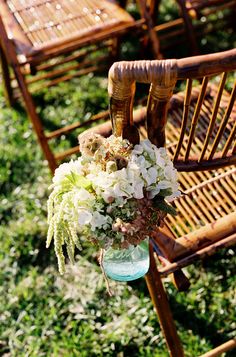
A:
{"points": [[192, 9], [173, 252], [19, 53]]}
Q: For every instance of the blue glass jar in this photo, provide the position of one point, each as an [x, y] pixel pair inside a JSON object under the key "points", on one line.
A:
{"points": [[127, 264]]}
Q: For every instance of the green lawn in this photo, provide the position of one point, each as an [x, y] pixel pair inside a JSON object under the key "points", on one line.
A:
{"points": [[44, 314]]}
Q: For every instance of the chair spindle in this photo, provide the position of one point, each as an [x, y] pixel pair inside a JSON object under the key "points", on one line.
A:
{"points": [[214, 115], [196, 117], [185, 116], [223, 123]]}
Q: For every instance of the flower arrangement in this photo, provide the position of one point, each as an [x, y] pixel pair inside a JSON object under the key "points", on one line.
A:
{"points": [[112, 195]]}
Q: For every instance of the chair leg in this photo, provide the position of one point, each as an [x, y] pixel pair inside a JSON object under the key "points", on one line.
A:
{"points": [[37, 125], [6, 78], [189, 27], [152, 35], [160, 301]]}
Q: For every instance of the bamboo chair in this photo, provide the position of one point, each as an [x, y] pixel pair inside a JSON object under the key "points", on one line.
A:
{"points": [[195, 9], [33, 32], [199, 132]]}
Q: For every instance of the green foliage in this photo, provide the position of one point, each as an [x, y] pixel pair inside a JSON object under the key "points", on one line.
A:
{"points": [[162, 205], [45, 315]]}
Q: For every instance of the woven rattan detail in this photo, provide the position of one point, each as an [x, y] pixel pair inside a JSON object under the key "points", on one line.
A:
{"points": [[160, 73], [209, 195], [175, 117], [43, 22]]}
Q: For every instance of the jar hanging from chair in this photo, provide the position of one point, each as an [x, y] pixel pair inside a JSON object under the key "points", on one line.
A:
{"points": [[127, 264]]}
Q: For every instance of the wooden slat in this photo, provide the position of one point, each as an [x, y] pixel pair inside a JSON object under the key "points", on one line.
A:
{"points": [[200, 4], [214, 115], [66, 153], [194, 165], [200, 254], [59, 46], [223, 123], [187, 100], [65, 69], [168, 25], [175, 249], [207, 65], [229, 140], [234, 148], [227, 346], [68, 128], [13, 29], [42, 54], [196, 117], [211, 180], [83, 53]]}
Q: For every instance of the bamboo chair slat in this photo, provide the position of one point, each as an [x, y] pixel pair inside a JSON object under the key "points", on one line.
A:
{"points": [[175, 249], [67, 77], [56, 133], [77, 55], [194, 182], [224, 347], [219, 195], [199, 4], [184, 218], [223, 123], [190, 222], [65, 69], [178, 228], [230, 185], [214, 115], [218, 203], [44, 22], [202, 253], [62, 155], [185, 117], [234, 148], [229, 141], [196, 117]]}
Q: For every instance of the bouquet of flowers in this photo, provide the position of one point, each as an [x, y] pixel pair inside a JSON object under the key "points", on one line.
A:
{"points": [[113, 195]]}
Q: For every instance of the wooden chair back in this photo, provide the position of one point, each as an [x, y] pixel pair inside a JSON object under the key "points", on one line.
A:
{"points": [[205, 139], [219, 147]]}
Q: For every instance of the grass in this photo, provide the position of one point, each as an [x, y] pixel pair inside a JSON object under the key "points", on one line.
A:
{"points": [[44, 314]]}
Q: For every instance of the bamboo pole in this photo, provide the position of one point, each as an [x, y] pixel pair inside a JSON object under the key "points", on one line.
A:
{"points": [[229, 345], [200, 254], [200, 238]]}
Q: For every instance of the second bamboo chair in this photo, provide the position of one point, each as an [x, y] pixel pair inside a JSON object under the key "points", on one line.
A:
{"points": [[196, 9], [54, 41], [199, 132]]}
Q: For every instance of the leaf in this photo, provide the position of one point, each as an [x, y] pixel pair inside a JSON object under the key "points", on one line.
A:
{"points": [[78, 180], [162, 205], [165, 192]]}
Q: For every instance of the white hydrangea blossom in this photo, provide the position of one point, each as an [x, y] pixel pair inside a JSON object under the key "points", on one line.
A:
{"points": [[66, 169]]}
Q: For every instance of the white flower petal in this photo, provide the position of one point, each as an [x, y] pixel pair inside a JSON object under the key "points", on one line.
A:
{"points": [[65, 169], [85, 217]]}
